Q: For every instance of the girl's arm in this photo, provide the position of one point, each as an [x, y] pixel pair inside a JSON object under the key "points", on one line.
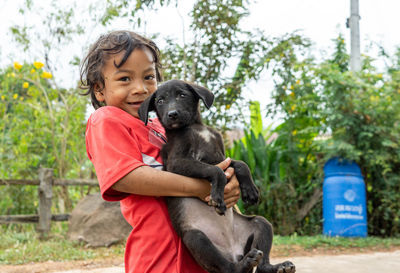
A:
{"points": [[152, 182]]}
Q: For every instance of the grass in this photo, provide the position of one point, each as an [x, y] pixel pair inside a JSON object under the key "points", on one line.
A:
{"points": [[20, 245], [23, 246], [320, 244], [310, 242]]}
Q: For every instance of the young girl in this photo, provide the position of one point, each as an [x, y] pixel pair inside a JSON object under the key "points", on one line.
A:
{"points": [[120, 71]]}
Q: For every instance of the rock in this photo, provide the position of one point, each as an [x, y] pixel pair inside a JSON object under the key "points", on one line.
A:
{"points": [[97, 222]]}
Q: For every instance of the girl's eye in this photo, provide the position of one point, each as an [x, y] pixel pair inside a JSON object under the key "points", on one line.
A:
{"points": [[149, 77], [124, 79]]}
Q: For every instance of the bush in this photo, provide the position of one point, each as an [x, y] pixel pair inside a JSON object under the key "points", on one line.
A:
{"points": [[327, 111], [40, 126]]}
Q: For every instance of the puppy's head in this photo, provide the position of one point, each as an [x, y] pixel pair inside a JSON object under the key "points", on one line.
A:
{"points": [[176, 104]]}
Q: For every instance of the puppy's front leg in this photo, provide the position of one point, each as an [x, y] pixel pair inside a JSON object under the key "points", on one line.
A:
{"points": [[197, 169]]}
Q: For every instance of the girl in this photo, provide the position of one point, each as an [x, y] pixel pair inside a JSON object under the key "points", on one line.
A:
{"points": [[120, 71]]}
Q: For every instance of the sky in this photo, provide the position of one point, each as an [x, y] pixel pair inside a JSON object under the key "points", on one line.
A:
{"points": [[319, 20]]}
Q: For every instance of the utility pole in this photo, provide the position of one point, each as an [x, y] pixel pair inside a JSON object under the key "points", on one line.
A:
{"points": [[353, 23]]}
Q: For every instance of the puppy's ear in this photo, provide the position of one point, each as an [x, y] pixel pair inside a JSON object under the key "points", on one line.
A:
{"points": [[203, 93], [146, 107]]}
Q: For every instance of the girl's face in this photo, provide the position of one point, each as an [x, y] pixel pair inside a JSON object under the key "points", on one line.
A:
{"points": [[128, 86]]}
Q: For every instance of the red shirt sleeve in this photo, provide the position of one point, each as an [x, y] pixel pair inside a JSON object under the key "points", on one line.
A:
{"points": [[114, 151]]}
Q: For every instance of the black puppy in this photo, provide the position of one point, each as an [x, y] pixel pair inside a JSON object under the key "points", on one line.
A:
{"points": [[224, 244]]}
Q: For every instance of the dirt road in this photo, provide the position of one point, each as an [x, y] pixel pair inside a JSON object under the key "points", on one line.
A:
{"points": [[352, 263], [360, 263]]}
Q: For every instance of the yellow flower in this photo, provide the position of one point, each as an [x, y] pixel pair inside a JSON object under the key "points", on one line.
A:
{"points": [[25, 85], [298, 82], [2, 97], [228, 106], [15, 96], [38, 65], [21, 98], [46, 75], [13, 74], [398, 91], [293, 107], [374, 98], [33, 70], [292, 94], [17, 65], [294, 132]]}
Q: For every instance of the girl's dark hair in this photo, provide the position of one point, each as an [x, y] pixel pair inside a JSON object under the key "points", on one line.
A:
{"points": [[108, 44]]}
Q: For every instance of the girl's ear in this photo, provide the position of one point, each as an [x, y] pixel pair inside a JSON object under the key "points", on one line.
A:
{"points": [[203, 93], [146, 107], [98, 93]]}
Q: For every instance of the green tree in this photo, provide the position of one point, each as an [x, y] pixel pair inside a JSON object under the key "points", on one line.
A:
{"points": [[219, 39], [41, 126], [357, 112]]}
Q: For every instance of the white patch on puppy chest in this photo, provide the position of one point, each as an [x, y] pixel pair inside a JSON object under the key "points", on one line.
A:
{"points": [[206, 135]]}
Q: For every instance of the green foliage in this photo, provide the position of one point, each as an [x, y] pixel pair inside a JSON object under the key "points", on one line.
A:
{"points": [[327, 111], [40, 126], [58, 29], [282, 174], [255, 118], [358, 113], [218, 39], [133, 10]]}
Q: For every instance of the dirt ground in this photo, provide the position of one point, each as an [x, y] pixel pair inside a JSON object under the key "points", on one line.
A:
{"points": [[351, 263], [318, 261], [75, 266]]}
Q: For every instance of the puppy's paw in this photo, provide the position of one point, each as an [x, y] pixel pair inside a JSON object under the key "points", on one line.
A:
{"points": [[250, 260], [253, 257], [286, 267], [221, 209], [218, 204], [249, 193]]}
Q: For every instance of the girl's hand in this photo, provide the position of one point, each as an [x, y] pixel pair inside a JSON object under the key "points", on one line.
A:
{"points": [[232, 189]]}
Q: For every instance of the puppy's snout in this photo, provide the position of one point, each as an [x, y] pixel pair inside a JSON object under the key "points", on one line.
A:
{"points": [[173, 114]]}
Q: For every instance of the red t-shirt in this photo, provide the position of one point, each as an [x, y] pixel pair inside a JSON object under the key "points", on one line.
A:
{"points": [[117, 143]]}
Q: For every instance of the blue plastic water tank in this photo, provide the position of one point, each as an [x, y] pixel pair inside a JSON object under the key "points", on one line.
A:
{"points": [[344, 200]]}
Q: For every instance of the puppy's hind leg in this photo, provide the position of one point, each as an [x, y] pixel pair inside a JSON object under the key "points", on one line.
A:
{"points": [[248, 189], [263, 236], [212, 260]]}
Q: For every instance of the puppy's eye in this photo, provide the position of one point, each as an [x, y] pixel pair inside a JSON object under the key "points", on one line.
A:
{"points": [[182, 95], [160, 101]]}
